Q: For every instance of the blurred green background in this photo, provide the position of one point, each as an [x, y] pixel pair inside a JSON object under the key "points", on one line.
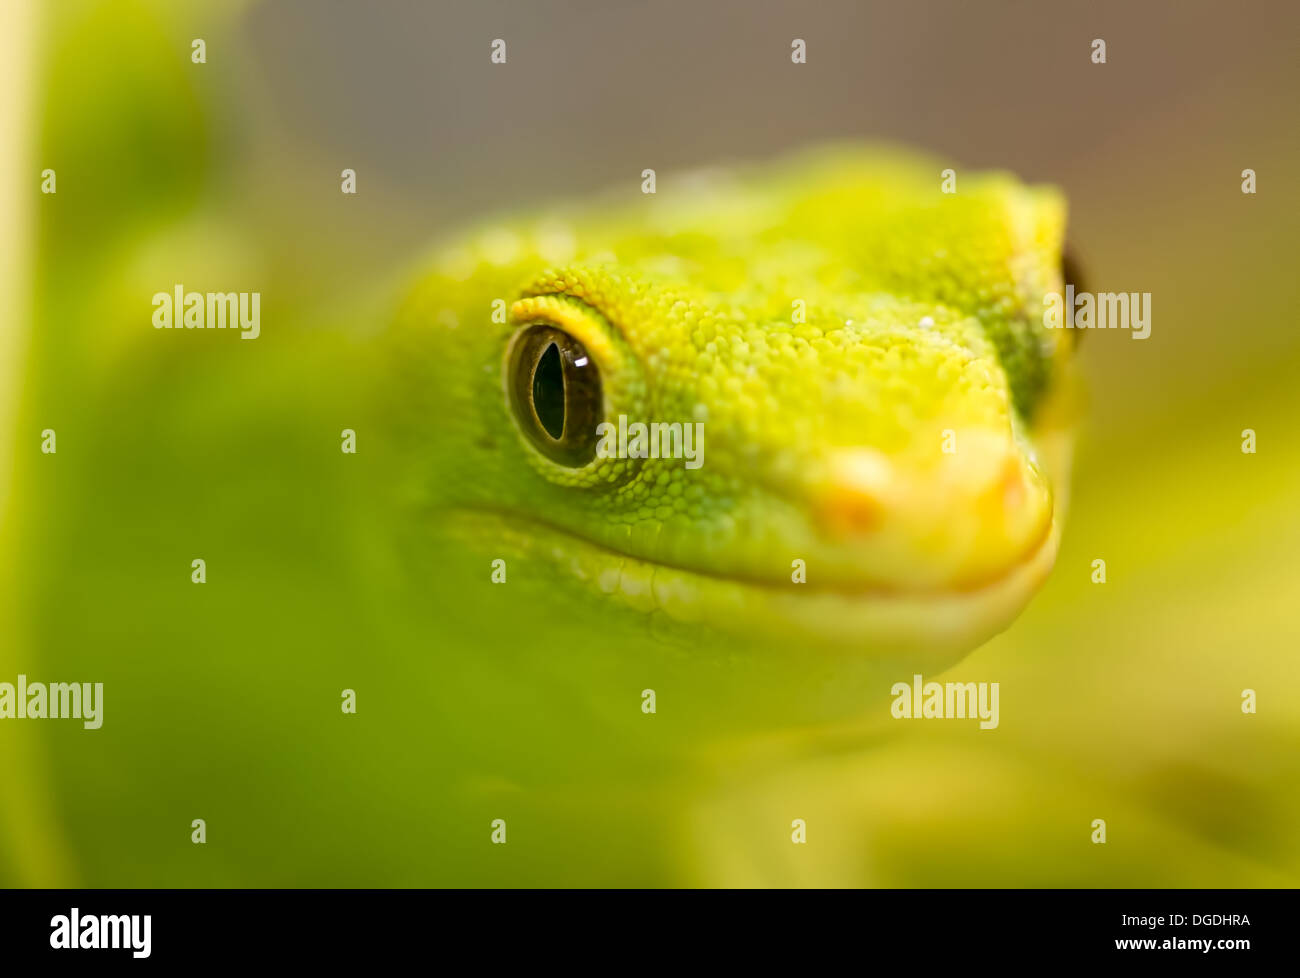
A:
{"points": [[1119, 701]]}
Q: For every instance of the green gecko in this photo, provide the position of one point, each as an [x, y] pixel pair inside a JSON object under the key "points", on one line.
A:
{"points": [[885, 418], [529, 701]]}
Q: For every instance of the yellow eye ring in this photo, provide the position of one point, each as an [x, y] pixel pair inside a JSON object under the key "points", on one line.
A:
{"points": [[610, 383]]}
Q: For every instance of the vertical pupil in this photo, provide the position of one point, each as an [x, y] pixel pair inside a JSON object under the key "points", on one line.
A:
{"points": [[548, 392]]}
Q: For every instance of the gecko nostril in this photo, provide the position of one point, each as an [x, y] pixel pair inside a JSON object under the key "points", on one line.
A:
{"points": [[850, 512], [853, 502]]}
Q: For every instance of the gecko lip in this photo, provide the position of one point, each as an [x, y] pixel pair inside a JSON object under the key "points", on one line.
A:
{"points": [[888, 619]]}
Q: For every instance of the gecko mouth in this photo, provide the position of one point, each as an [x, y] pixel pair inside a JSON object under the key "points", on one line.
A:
{"points": [[869, 620]]}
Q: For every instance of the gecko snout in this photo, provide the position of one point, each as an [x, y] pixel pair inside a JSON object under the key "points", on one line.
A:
{"points": [[940, 519]]}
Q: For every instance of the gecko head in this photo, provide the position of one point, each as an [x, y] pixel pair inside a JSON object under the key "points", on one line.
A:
{"points": [[790, 457]]}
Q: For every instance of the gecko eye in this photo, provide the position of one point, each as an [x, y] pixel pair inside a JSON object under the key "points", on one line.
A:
{"points": [[555, 392]]}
